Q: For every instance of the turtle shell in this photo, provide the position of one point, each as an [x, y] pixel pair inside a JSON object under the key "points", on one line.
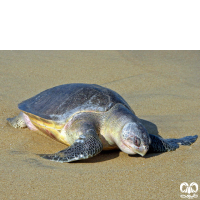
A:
{"points": [[61, 102]]}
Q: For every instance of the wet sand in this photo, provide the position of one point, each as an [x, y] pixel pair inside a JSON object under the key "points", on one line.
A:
{"points": [[162, 87]]}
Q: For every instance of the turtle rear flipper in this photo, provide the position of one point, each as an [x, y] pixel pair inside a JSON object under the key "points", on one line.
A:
{"points": [[159, 144], [86, 146], [17, 121]]}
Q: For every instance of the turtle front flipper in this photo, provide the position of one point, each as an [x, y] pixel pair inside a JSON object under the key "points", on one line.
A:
{"points": [[159, 144], [86, 146]]}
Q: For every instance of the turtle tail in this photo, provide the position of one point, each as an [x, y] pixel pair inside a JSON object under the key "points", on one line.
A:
{"points": [[159, 144]]}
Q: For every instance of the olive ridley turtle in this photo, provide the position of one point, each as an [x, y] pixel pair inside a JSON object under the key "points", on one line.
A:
{"points": [[89, 118]]}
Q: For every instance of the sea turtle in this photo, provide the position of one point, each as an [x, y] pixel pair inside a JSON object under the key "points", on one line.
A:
{"points": [[89, 118]]}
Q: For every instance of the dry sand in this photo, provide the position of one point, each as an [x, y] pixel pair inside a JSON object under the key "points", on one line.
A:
{"points": [[162, 87]]}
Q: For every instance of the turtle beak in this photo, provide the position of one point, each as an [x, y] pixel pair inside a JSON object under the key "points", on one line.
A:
{"points": [[143, 153], [145, 148]]}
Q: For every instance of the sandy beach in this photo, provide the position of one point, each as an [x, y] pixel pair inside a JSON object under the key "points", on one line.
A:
{"points": [[162, 87]]}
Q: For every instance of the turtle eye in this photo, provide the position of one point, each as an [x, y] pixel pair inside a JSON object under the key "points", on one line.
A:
{"points": [[137, 141]]}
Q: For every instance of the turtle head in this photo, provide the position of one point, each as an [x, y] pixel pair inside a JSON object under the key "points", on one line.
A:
{"points": [[134, 139]]}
